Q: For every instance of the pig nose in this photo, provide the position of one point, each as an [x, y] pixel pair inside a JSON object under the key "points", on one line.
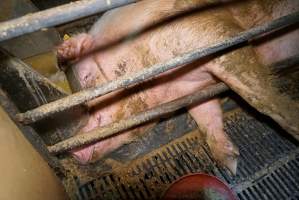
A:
{"points": [[84, 155]]}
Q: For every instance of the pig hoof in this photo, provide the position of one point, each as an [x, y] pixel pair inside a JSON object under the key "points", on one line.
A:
{"points": [[226, 154], [75, 47], [66, 50], [230, 163]]}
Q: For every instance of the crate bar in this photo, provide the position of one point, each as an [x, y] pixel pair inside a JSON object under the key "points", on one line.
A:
{"points": [[151, 72], [145, 116], [55, 16]]}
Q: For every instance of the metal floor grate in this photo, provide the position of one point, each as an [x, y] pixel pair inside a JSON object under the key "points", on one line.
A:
{"points": [[157, 169], [259, 145], [282, 182], [268, 166]]}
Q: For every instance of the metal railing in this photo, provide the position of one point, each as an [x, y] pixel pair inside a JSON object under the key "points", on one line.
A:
{"points": [[55, 16], [72, 11], [150, 72]]}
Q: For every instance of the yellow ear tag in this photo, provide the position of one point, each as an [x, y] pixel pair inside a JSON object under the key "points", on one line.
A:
{"points": [[66, 37]]}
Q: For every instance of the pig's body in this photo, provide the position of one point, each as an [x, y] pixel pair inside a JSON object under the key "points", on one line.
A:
{"points": [[237, 69]]}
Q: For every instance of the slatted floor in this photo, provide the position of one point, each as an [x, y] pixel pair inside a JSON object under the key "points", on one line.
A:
{"points": [[268, 166]]}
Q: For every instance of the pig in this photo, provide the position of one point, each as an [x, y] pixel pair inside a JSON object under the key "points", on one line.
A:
{"points": [[243, 69]]}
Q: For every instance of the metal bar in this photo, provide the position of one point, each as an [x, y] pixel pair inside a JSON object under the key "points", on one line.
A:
{"points": [[55, 16], [30, 134], [145, 116], [150, 72], [15, 75]]}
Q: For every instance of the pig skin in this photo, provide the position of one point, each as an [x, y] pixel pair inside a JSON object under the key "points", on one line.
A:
{"points": [[241, 69]]}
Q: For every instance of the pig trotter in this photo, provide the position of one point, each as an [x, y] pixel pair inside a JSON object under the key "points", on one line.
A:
{"points": [[208, 116], [75, 47], [224, 152]]}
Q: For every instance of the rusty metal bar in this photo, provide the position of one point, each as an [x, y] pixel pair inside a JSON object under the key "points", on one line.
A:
{"points": [[55, 16], [150, 72], [124, 124]]}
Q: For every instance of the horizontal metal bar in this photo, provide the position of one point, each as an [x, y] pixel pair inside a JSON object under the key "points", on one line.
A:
{"points": [[124, 124], [55, 16], [150, 72]]}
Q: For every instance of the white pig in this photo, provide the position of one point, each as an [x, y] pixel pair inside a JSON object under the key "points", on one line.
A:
{"points": [[242, 69]]}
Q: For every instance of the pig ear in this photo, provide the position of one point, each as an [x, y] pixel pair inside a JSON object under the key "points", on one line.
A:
{"points": [[75, 47]]}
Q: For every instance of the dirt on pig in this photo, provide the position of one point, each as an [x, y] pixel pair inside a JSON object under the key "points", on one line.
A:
{"points": [[144, 52], [240, 68], [121, 69]]}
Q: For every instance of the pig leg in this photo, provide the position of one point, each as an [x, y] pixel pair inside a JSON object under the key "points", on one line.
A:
{"points": [[208, 115], [246, 76], [75, 47], [209, 118]]}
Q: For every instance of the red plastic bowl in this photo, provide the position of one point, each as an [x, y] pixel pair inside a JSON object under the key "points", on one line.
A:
{"points": [[199, 186]]}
